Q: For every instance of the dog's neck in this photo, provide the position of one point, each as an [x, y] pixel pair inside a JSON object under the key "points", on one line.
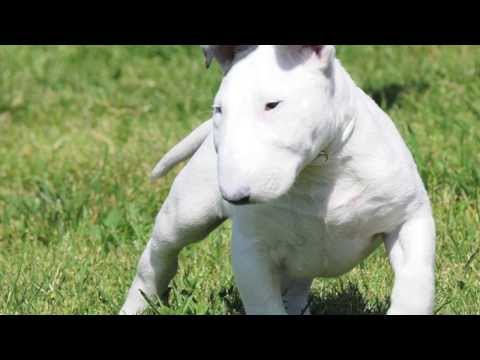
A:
{"points": [[346, 111]]}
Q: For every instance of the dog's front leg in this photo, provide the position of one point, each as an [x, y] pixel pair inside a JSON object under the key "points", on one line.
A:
{"points": [[411, 249], [257, 279], [295, 295]]}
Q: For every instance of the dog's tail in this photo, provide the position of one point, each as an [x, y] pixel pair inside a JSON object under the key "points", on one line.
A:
{"points": [[182, 151]]}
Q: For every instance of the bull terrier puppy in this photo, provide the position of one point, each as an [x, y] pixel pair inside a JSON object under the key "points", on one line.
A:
{"points": [[313, 175]]}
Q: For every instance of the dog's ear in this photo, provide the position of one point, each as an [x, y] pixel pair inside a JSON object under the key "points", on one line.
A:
{"points": [[224, 54], [324, 54]]}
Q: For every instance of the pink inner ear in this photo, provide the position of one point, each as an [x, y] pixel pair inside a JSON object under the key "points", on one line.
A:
{"points": [[316, 48]]}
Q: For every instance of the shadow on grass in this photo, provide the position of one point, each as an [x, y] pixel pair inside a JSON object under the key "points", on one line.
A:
{"points": [[387, 95], [232, 301], [349, 301]]}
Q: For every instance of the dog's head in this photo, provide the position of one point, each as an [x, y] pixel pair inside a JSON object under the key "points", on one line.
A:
{"points": [[272, 116]]}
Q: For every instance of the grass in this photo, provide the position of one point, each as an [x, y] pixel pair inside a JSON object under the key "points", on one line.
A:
{"points": [[81, 128]]}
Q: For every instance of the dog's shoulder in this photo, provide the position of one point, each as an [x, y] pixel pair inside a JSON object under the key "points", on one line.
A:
{"points": [[376, 171]]}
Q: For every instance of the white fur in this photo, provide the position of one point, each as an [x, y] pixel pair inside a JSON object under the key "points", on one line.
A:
{"points": [[310, 215]]}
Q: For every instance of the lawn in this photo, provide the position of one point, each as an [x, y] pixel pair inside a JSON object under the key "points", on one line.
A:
{"points": [[81, 128]]}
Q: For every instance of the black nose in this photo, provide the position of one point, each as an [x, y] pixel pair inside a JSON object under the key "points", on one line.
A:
{"points": [[236, 195], [243, 201]]}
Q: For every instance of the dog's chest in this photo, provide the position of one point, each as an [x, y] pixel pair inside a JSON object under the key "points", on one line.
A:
{"points": [[324, 229], [309, 245]]}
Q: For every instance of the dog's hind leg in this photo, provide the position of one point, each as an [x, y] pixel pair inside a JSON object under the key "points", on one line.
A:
{"points": [[192, 210]]}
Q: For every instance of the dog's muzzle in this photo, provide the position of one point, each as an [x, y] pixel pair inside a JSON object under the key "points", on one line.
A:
{"points": [[236, 196]]}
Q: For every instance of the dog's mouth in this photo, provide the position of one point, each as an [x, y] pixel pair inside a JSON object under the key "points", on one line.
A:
{"points": [[267, 191]]}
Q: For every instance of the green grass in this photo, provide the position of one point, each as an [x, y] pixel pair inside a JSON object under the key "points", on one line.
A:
{"points": [[81, 128]]}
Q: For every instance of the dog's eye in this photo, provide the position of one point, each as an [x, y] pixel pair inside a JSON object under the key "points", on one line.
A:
{"points": [[217, 109], [272, 105]]}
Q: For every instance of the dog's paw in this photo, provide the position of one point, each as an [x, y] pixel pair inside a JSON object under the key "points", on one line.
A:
{"points": [[395, 310]]}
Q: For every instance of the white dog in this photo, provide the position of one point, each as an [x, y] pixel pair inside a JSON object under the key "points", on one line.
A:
{"points": [[312, 173]]}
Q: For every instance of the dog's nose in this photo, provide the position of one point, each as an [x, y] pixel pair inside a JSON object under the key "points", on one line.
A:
{"points": [[239, 196], [242, 201]]}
